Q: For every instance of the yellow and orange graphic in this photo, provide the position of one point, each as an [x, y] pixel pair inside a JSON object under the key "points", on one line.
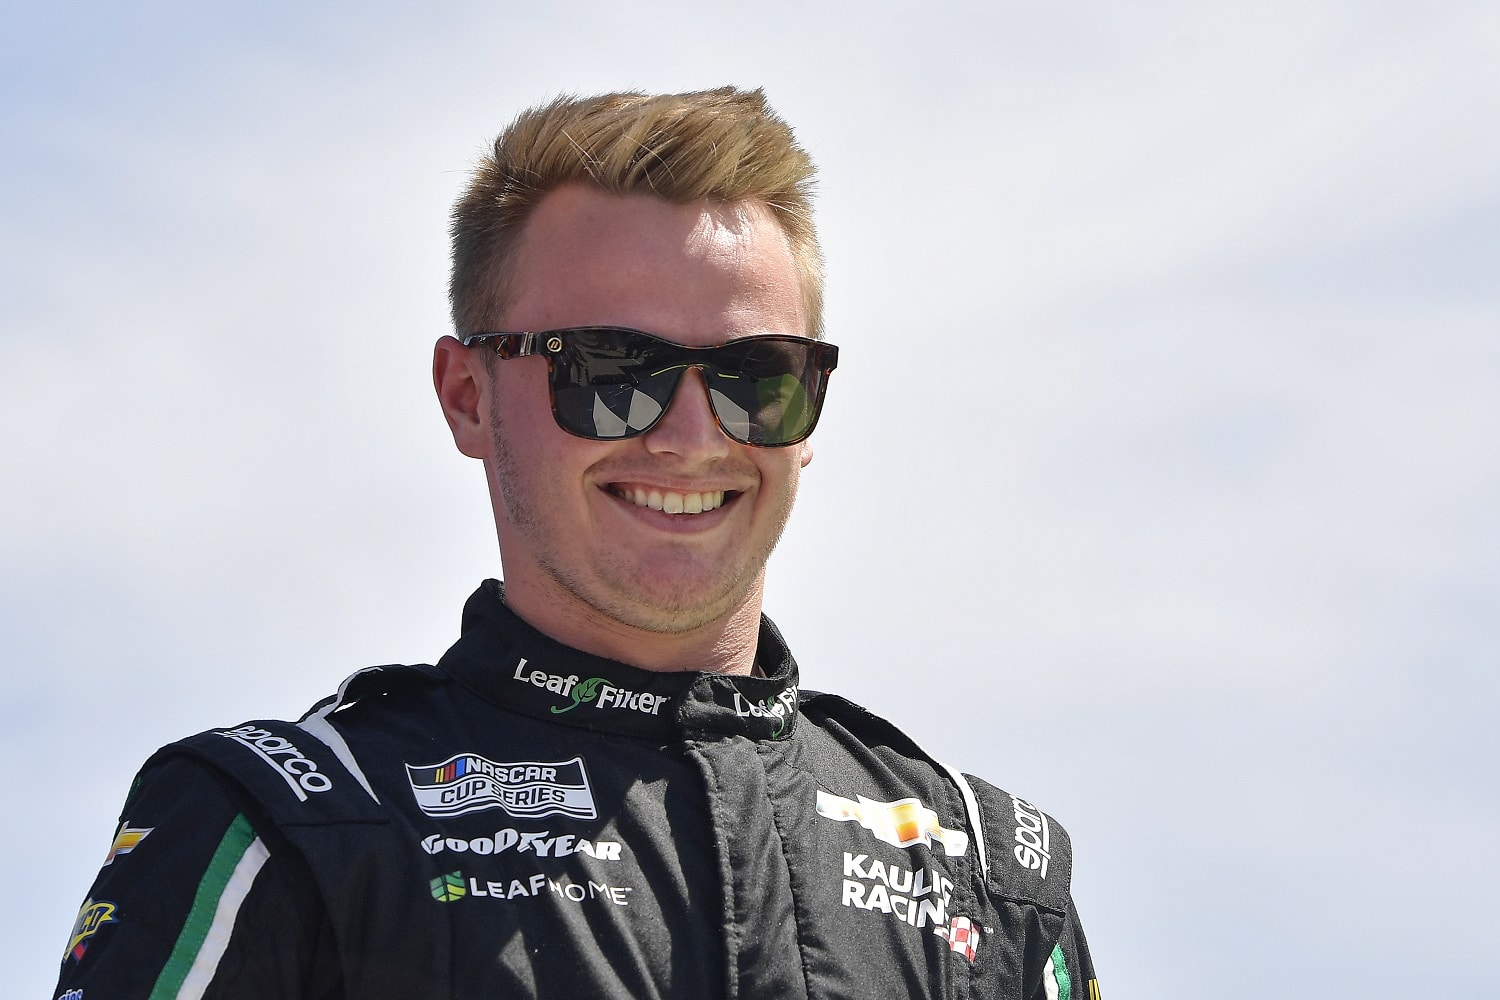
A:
{"points": [[91, 917], [125, 841], [901, 823]]}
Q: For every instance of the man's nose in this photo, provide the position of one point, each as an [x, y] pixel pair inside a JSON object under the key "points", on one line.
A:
{"points": [[689, 427]]}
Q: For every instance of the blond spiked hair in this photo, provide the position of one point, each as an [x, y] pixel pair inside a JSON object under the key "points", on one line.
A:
{"points": [[726, 145]]}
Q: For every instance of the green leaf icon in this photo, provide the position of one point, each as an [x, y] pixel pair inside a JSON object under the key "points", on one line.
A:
{"points": [[447, 888], [583, 691]]}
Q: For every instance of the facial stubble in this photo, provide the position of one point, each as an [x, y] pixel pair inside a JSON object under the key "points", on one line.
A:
{"points": [[611, 584]]}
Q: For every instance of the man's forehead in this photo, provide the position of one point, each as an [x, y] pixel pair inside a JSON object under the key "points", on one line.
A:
{"points": [[589, 256], [577, 212]]}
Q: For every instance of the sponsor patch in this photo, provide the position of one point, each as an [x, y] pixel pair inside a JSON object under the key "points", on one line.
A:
{"points": [[91, 917], [467, 783], [1033, 837], [71, 995], [962, 936], [901, 823], [454, 886], [781, 707], [595, 691], [126, 841], [541, 843], [300, 773], [916, 896], [449, 887]]}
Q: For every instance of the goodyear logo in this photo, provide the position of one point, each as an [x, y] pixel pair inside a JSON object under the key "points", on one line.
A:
{"points": [[901, 823]]}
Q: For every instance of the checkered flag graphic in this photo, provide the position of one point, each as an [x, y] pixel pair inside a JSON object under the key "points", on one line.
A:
{"points": [[962, 935]]}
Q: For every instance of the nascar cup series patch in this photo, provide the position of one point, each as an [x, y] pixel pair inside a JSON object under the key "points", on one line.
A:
{"points": [[467, 782]]}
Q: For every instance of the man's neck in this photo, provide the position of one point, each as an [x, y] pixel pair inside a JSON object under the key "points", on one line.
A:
{"points": [[725, 645]]}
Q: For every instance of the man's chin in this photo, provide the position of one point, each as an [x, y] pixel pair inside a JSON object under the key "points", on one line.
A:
{"points": [[674, 607], [671, 615]]}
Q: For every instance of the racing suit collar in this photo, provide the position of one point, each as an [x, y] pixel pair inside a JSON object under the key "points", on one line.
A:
{"points": [[507, 662]]}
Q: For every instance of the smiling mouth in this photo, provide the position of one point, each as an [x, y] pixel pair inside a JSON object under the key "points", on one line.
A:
{"points": [[671, 502]]}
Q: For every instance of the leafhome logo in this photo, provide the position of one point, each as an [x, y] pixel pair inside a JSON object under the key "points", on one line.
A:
{"points": [[595, 691], [300, 774], [901, 823], [453, 886], [467, 783], [449, 888], [781, 707], [1033, 837]]}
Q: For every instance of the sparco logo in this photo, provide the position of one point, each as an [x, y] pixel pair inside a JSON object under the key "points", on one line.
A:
{"points": [[467, 782], [1033, 838], [300, 774], [595, 690], [782, 708]]}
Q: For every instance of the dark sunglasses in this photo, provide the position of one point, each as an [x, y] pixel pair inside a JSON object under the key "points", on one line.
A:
{"points": [[610, 382]]}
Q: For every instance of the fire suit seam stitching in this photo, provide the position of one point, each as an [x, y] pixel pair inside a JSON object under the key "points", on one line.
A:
{"points": [[797, 902], [726, 878]]}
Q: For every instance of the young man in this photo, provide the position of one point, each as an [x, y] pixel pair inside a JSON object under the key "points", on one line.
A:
{"points": [[610, 786]]}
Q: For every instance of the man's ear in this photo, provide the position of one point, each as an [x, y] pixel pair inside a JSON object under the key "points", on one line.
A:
{"points": [[806, 447], [456, 375]]}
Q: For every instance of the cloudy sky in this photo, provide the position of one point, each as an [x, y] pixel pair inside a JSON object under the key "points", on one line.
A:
{"points": [[1158, 481]]}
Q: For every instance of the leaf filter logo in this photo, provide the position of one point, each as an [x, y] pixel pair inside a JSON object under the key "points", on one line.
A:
{"points": [[448, 888], [596, 691], [780, 707], [467, 782], [901, 823]]}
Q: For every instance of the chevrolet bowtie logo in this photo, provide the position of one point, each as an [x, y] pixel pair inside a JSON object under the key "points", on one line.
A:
{"points": [[901, 823]]}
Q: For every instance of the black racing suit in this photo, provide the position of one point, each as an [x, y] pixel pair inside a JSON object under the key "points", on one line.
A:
{"points": [[526, 820]]}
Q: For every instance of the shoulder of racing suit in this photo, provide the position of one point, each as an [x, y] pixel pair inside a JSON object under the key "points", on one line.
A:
{"points": [[1025, 855], [303, 773]]}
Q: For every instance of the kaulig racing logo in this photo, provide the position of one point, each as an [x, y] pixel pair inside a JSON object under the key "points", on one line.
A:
{"points": [[467, 783]]}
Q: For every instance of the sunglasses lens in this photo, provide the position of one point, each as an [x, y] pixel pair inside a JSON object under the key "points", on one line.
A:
{"points": [[765, 392], [602, 386], [610, 384]]}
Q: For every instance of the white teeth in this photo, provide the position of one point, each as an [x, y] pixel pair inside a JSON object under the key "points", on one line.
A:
{"points": [[674, 503]]}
